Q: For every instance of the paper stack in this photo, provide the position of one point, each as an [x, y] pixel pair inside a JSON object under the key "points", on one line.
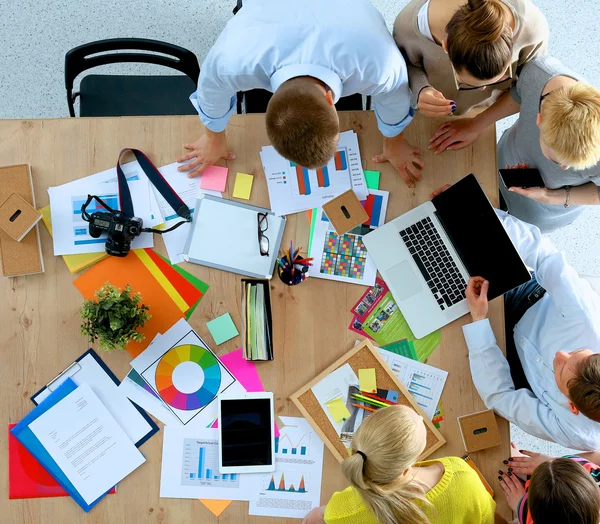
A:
{"points": [[257, 335]]}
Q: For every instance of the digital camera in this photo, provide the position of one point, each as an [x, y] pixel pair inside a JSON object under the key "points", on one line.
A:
{"points": [[120, 230]]}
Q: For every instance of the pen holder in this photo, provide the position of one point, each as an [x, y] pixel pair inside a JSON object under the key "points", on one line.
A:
{"points": [[288, 279]]}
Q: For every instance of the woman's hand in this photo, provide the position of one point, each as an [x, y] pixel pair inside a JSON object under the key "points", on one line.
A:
{"points": [[541, 194], [433, 103], [526, 464], [513, 489], [455, 135]]}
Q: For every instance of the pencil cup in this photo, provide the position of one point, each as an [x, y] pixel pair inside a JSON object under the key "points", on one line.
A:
{"points": [[288, 279]]}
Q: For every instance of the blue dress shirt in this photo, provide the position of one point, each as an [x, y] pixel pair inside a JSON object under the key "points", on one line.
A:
{"points": [[343, 43], [566, 318]]}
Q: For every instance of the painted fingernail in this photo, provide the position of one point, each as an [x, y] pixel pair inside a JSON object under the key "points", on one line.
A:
{"points": [[509, 469], [505, 461], [510, 459], [453, 109], [453, 102], [509, 473], [501, 472], [521, 451], [499, 478]]}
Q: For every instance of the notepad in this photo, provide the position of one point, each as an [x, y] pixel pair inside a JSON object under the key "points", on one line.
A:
{"points": [[372, 179], [338, 410], [367, 380], [214, 178], [243, 186], [222, 329]]}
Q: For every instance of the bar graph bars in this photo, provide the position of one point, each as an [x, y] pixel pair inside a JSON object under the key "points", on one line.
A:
{"points": [[303, 176], [323, 177], [200, 465], [295, 483], [340, 159], [284, 446], [303, 179]]}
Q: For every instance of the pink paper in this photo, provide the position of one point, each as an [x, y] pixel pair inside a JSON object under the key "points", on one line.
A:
{"points": [[215, 178], [246, 373]]}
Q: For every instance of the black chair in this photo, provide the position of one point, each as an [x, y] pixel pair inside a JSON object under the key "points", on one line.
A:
{"points": [[256, 101], [131, 95]]}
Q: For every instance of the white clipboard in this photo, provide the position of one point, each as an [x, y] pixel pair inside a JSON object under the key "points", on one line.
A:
{"points": [[224, 235]]}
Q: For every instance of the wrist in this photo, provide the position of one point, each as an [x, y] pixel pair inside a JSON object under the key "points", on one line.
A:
{"points": [[480, 122], [476, 317], [554, 196]]}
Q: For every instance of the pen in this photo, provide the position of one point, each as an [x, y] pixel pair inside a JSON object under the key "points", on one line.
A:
{"points": [[364, 407], [301, 268]]}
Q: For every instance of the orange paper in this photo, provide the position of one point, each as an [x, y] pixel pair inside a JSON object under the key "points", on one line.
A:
{"points": [[216, 506], [130, 270]]}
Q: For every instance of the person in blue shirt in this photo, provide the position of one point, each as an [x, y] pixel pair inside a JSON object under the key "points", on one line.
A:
{"points": [[309, 54]]}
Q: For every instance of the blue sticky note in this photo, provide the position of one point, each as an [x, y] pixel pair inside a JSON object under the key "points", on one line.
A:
{"points": [[222, 329]]}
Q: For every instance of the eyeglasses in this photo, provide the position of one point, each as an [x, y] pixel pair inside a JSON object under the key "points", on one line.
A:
{"points": [[461, 86], [263, 240]]}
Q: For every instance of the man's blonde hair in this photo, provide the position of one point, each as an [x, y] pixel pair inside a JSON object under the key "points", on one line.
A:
{"points": [[570, 125], [302, 125]]}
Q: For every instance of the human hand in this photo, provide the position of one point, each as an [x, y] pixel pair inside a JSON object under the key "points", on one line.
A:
{"points": [[476, 294], [205, 151], [433, 103], [439, 191], [455, 135], [541, 194], [526, 463], [316, 516], [523, 165], [513, 489], [404, 157]]}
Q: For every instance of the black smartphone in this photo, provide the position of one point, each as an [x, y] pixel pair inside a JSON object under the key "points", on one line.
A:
{"points": [[529, 177]]}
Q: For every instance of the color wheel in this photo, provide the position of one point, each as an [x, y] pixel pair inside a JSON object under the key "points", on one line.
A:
{"points": [[164, 377]]}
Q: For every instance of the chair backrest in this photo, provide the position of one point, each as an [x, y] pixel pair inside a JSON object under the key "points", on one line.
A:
{"points": [[89, 55]]}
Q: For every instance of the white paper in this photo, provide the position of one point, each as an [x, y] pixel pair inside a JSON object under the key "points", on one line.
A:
{"points": [[88, 371], [344, 257], [87, 443], [69, 231], [298, 461], [335, 385], [424, 382], [284, 180], [188, 377], [188, 190], [190, 467]]}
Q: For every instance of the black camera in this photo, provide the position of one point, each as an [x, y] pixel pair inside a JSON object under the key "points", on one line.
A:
{"points": [[120, 230]]}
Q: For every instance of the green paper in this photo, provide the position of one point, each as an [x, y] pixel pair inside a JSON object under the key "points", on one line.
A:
{"points": [[372, 179], [311, 233], [222, 329], [404, 348]]}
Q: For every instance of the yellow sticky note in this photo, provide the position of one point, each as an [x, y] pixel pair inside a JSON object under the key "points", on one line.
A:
{"points": [[367, 380], [338, 410], [243, 186]]}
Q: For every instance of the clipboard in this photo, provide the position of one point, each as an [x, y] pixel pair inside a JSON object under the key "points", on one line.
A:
{"points": [[71, 373], [224, 235]]}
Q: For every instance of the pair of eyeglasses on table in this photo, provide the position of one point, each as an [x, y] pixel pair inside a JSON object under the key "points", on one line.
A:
{"points": [[263, 240]]}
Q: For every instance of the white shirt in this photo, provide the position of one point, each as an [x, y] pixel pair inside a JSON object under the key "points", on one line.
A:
{"points": [[566, 318], [423, 21], [343, 43]]}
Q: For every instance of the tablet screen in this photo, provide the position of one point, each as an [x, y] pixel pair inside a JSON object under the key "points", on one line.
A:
{"points": [[246, 429]]}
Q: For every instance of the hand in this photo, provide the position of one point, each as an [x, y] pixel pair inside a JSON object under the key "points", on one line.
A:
{"points": [[433, 103], [477, 297], [526, 464], [524, 165], [541, 194], [404, 157], [439, 191], [513, 489], [316, 516], [455, 135], [207, 150]]}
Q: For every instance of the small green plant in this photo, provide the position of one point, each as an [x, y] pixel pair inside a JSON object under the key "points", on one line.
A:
{"points": [[113, 317]]}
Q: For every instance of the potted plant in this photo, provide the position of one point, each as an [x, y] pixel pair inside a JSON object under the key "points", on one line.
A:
{"points": [[113, 317]]}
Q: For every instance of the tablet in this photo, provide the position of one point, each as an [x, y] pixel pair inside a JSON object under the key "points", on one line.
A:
{"points": [[247, 436]]}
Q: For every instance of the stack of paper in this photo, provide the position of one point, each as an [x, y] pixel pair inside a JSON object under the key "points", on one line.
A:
{"points": [[294, 188], [169, 291], [256, 314]]}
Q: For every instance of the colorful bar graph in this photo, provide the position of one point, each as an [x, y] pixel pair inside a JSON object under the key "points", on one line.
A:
{"points": [[303, 180], [323, 177], [208, 474], [225, 476], [233, 476], [303, 450], [201, 453], [294, 451], [340, 161]]}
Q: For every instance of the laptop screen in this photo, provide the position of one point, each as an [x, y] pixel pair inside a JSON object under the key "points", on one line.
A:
{"points": [[479, 237]]}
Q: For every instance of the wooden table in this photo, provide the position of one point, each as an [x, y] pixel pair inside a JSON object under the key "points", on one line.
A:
{"points": [[40, 313]]}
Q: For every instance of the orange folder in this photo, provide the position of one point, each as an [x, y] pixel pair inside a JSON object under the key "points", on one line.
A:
{"points": [[131, 270]]}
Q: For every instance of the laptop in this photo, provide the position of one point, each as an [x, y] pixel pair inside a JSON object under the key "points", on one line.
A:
{"points": [[427, 255]]}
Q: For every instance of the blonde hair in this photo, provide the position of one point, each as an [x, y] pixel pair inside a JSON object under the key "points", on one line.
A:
{"points": [[570, 124], [480, 39], [387, 439], [302, 125]]}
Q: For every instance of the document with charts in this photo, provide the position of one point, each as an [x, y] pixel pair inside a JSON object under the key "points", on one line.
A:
{"points": [[293, 188], [424, 382], [294, 489]]}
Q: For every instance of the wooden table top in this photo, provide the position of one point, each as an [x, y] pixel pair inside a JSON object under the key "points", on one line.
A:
{"points": [[40, 313]]}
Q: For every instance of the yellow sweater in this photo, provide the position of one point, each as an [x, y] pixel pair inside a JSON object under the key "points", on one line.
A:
{"points": [[458, 498]]}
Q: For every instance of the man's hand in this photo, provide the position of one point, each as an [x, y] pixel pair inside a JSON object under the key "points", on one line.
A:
{"points": [[477, 297], [513, 489], [404, 157], [433, 103], [455, 135], [207, 150]]}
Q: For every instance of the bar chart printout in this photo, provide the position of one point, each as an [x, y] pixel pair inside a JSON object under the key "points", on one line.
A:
{"points": [[201, 465]]}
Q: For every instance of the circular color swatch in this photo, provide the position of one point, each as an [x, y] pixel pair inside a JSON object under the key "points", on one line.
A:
{"points": [[210, 386]]}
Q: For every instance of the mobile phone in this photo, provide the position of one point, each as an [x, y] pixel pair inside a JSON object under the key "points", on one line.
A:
{"points": [[521, 178]]}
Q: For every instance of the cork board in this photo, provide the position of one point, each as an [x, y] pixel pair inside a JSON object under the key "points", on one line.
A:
{"points": [[362, 356]]}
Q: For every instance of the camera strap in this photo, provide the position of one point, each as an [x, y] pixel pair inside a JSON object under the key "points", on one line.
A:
{"points": [[157, 180]]}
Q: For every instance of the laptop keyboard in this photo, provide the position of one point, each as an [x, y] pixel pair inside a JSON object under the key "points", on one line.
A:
{"points": [[435, 263]]}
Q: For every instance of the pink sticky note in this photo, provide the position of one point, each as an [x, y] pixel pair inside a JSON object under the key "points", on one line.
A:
{"points": [[246, 373], [215, 178]]}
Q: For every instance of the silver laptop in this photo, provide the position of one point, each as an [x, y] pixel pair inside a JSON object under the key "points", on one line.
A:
{"points": [[427, 255]]}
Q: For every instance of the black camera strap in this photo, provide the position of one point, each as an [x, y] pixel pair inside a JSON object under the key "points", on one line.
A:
{"points": [[159, 182]]}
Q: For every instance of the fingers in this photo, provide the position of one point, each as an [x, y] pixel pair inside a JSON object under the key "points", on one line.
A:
{"points": [[191, 165], [519, 190], [414, 171], [445, 144], [187, 156], [441, 130], [230, 156], [405, 176], [435, 110], [199, 170], [439, 191], [484, 290], [379, 158]]}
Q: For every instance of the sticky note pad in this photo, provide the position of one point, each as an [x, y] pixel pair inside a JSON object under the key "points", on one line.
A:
{"points": [[222, 328], [338, 410], [215, 178], [367, 380], [243, 186], [372, 179]]}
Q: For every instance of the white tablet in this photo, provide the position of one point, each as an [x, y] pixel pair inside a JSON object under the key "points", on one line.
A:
{"points": [[247, 436]]}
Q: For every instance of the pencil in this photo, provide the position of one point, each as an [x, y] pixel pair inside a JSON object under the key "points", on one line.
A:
{"points": [[370, 395], [371, 401], [364, 407]]}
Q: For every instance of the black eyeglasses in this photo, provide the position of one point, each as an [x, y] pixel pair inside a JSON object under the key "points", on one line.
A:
{"points": [[263, 240], [542, 98], [467, 87]]}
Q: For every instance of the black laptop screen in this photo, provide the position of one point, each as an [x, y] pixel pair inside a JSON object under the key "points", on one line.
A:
{"points": [[479, 237]]}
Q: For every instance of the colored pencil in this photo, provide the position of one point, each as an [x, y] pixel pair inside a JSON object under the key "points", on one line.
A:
{"points": [[375, 397], [364, 407], [371, 401]]}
